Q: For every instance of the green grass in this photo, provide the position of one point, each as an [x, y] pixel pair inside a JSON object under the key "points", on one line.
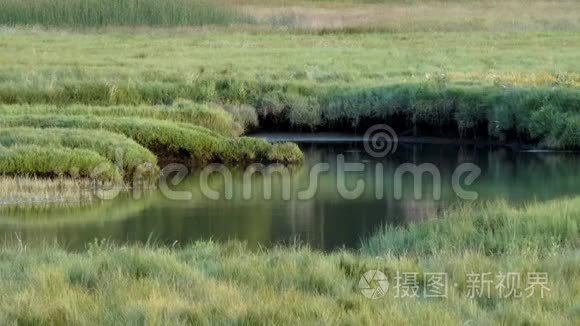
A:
{"points": [[209, 116], [194, 145], [207, 282], [488, 228], [36, 160], [98, 13], [452, 68], [470, 85], [118, 149]]}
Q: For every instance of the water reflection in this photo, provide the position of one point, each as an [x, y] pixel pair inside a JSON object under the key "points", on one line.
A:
{"points": [[326, 221]]}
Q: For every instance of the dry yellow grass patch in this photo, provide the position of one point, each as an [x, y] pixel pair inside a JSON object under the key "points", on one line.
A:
{"points": [[428, 15]]}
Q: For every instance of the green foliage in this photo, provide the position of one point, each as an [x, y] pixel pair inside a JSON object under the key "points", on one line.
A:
{"points": [[98, 13], [56, 162], [491, 229]]}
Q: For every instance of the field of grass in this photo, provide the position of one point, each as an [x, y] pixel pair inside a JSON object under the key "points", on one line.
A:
{"points": [[83, 82], [208, 282], [505, 86]]}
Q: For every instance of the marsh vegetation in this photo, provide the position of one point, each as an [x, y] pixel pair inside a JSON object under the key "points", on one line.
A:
{"points": [[207, 282], [97, 92]]}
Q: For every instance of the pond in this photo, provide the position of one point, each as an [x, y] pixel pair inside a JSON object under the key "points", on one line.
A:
{"points": [[325, 217]]}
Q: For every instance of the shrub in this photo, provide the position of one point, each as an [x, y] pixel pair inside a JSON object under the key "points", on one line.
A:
{"points": [[548, 121]]}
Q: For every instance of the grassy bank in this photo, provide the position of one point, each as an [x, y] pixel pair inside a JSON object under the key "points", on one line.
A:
{"points": [[132, 137], [209, 282], [211, 117], [192, 144]]}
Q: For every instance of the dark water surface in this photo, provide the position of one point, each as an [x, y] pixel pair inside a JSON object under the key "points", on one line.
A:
{"points": [[325, 221]]}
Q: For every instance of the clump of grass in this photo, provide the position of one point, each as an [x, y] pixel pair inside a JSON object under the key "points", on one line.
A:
{"points": [[117, 148], [285, 152], [35, 160], [195, 145], [244, 115], [211, 117], [491, 228], [99, 13]]}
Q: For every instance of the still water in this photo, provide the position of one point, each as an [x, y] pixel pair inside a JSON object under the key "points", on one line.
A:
{"points": [[325, 220]]}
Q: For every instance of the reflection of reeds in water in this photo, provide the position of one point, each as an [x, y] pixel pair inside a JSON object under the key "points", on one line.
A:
{"points": [[83, 212], [33, 190]]}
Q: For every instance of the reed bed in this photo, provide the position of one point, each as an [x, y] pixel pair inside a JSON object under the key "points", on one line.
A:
{"points": [[99, 13]]}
